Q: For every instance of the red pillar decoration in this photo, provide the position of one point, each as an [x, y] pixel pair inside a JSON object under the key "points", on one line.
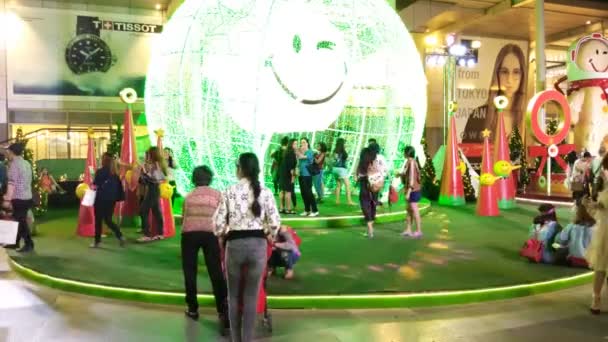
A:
{"points": [[487, 201], [86, 215], [165, 203], [129, 208], [452, 190], [505, 187]]}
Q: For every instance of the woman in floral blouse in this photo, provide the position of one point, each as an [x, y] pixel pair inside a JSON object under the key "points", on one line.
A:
{"points": [[246, 209]]}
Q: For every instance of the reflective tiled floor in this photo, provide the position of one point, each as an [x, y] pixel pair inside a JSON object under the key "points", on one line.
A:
{"points": [[32, 313]]}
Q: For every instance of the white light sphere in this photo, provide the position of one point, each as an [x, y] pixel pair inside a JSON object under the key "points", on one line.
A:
{"points": [[227, 77]]}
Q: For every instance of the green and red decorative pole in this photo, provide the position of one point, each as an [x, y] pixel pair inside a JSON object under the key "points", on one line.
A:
{"points": [[452, 189], [487, 201], [86, 214], [129, 208], [505, 186]]}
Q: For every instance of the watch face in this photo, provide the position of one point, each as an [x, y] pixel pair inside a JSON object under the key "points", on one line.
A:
{"points": [[88, 53]]}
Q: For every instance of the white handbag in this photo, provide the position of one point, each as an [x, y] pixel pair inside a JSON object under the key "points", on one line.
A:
{"points": [[88, 200], [8, 232]]}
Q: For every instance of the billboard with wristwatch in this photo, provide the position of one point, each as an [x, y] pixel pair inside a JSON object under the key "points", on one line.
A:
{"points": [[64, 53]]}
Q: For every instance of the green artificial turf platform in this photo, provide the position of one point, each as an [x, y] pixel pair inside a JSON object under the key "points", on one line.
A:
{"points": [[462, 258], [332, 215]]}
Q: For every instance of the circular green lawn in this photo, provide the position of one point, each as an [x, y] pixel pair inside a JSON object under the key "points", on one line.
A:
{"points": [[458, 252]]}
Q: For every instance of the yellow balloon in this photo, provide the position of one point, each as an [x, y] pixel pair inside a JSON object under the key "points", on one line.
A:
{"points": [[461, 167], [81, 189], [487, 179], [129, 176], [166, 190], [503, 168]]}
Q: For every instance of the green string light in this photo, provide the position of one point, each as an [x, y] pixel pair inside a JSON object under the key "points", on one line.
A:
{"points": [[210, 73]]}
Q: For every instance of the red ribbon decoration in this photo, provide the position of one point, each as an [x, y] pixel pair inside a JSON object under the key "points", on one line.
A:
{"points": [[543, 152]]}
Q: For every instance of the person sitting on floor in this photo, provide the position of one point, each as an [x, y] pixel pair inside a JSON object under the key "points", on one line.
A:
{"points": [[575, 238], [545, 229], [285, 252]]}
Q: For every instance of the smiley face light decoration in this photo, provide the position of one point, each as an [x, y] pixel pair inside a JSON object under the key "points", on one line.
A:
{"points": [[230, 76]]}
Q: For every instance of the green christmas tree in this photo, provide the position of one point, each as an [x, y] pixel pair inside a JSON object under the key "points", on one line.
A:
{"points": [[516, 146], [115, 142], [428, 176], [40, 207], [552, 125]]}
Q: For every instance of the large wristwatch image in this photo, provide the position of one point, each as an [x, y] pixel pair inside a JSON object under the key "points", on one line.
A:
{"points": [[87, 52]]}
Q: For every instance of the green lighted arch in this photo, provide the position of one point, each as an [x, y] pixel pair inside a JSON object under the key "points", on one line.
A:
{"points": [[232, 76]]}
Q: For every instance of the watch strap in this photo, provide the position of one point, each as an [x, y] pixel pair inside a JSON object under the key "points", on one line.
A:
{"points": [[86, 25]]}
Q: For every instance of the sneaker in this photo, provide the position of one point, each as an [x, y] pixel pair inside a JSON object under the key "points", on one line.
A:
{"points": [[406, 234], [144, 239], [192, 315], [122, 242], [306, 213], [282, 211], [95, 245], [315, 214], [417, 235], [158, 237], [14, 246]]}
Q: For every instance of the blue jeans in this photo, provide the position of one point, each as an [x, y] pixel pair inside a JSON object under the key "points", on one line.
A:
{"points": [[318, 183], [283, 258]]}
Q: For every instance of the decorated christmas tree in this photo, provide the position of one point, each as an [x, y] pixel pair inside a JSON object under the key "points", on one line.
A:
{"points": [[519, 156], [428, 177], [39, 207], [469, 191], [552, 125], [113, 146]]}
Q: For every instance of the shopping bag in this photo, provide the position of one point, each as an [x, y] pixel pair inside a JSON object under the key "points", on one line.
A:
{"points": [[8, 232], [89, 198], [533, 250]]}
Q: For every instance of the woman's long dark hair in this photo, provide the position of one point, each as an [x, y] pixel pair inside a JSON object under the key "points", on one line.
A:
{"points": [[368, 155], [340, 150], [518, 99], [322, 147], [155, 156], [250, 169], [290, 148], [107, 161]]}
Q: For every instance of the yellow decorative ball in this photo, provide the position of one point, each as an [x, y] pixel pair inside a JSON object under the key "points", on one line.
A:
{"points": [[487, 179], [81, 189], [129, 176], [166, 190], [502, 168]]}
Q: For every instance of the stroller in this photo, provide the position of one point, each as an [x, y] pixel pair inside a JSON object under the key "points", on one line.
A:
{"points": [[262, 306]]}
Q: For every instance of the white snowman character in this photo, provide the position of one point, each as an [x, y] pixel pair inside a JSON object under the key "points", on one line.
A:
{"points": [[587, 74]]}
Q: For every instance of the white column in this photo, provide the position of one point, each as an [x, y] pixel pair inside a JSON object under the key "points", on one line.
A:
{"points": [[3, 73], [539, 46]]}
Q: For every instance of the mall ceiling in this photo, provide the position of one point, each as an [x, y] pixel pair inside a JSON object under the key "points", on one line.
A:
{"points": [[144, 4], [565, 20]]}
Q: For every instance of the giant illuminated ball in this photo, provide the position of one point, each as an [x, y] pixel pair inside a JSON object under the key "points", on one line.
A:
{"points": [[230, 76]]}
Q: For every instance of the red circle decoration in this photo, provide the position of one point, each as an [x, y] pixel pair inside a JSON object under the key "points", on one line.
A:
{"points": [[533, 112], [553, 151]]}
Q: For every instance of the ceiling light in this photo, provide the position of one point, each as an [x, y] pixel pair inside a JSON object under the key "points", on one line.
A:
{"points": [[159, 6], [476, 44], [462, 62], [471, 63], [450, 39], [588, 22], [431, 40], [458, 50]]}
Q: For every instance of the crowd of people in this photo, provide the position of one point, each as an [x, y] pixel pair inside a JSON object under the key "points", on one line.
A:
{"points": [[583, 241]]}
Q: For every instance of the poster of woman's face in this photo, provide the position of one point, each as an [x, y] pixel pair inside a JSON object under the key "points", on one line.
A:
{"points": [[502, 64]]}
